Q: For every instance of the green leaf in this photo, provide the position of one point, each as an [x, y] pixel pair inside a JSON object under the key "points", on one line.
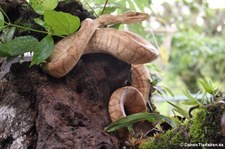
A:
{"points": [[131, 119], [7, 34], [40, 6], [18, 46], [61, 23], [180, 110], [137, 28], [109, 10], [142, 4], [2, 22], [43, 50], [168, 91], [190, 102], [189, 95], [132, 6], [4, 51], [116, 26], [39, 22], [175, 119], [208, 87]]}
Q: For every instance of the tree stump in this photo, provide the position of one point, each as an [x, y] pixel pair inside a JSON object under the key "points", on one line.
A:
{"points": [[38, 111]]}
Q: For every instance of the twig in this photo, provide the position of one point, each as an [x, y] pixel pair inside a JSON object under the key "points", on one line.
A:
{"points": [[90, 8], [5, 15], [104, 7]]}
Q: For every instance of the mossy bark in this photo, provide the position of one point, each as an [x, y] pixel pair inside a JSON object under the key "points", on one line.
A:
{"points": [[201, 131]]}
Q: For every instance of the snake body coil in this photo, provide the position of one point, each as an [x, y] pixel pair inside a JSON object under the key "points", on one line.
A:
{"points": [[124, 45]]}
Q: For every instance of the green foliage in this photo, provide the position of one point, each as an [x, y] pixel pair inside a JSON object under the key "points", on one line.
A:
{"points": [[39, 22], [208, 87], [7, 34], [203, 127], [40, 6], [170, 140], [60, 23], [43, 50], [155, 81], [197, 50], [205, 124], [118, 7], [180, 110], [192, 100], [1, 21], [56, 23], [131, 119], [168, 91], [195, 56], [18, 46]]}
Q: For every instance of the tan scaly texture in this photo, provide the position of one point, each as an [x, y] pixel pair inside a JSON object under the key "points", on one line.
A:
{"points": [[127, 99], [124, 45], [68, 51]]}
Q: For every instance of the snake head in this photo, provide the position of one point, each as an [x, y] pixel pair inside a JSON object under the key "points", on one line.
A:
{"points": [[133, 17], [125, 18]]}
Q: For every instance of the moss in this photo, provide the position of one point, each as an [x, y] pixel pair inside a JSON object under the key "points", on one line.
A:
{"points": [[204, 127], [178, 138], [197, 129], [170, 140]]}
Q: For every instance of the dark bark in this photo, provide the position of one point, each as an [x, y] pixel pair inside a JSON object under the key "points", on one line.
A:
{"points": [[71, 112]]}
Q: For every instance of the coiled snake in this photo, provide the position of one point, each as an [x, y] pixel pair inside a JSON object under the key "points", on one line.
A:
{"points": [[92, 37]]}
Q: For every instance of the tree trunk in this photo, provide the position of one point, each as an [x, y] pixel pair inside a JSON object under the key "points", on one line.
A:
{"points": [[38, 111]]}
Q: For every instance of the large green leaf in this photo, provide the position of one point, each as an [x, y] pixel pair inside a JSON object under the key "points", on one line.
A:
{"points": [[131, 119], [4, 51], [43, 50], [40, 6], [60, 23], [18, 46]]}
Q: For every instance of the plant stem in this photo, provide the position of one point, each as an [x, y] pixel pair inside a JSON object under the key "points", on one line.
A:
{"points": [[22, 27], [91, 8], [104, 7], [26, 28], [30, 29], [5, 14]]}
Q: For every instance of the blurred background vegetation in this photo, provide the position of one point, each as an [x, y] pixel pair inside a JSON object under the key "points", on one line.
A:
{"points": [[190, 35]]}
